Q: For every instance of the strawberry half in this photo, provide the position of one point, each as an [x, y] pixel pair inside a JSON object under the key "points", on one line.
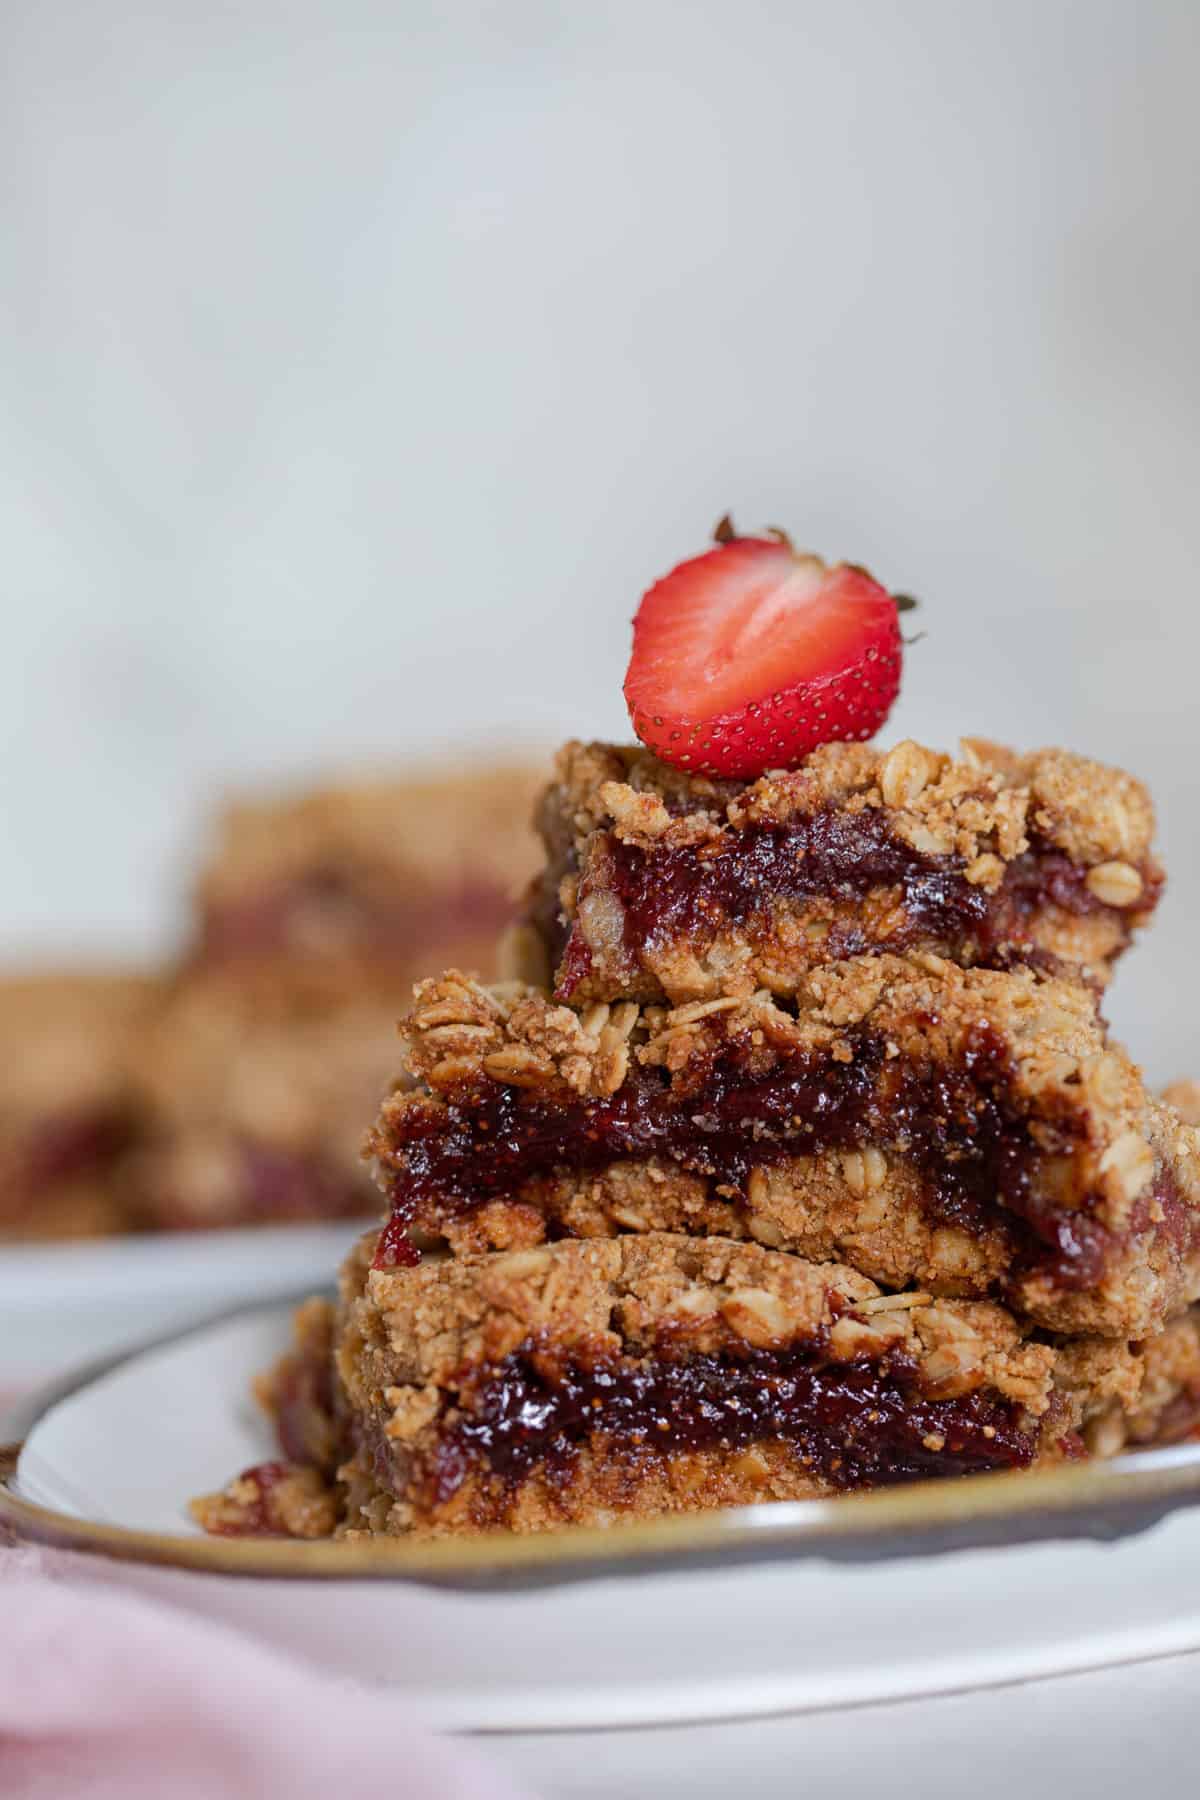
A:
{"points": [[748, 657]]}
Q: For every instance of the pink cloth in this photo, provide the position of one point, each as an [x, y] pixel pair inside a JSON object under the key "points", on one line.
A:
{"points": [[107, 1696]]}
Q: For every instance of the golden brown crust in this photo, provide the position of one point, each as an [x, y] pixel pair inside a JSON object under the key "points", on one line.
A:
{"points": [[461, 1033], [600, 1493], [977, 817], [430, 1324], [1091, 1136]]}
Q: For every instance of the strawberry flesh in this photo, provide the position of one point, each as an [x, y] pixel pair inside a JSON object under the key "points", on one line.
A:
{"points": [[750, 656]]}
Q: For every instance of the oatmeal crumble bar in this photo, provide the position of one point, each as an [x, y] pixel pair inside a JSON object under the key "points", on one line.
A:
{"points": [[581, 1383], [68, 1111], [380, 870], [661, 884], [970, 1131], [255, 1082]]}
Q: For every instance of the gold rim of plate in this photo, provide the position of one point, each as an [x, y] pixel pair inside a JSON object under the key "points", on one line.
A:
{"points": [[1098, 1500]]}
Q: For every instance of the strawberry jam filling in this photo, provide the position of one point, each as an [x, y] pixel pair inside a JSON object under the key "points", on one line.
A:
{"points": [[691, 894], [957, 1125], [859, 1424]]}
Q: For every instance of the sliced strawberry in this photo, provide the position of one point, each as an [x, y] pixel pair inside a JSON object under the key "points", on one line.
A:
{"points": [[748, 657]]}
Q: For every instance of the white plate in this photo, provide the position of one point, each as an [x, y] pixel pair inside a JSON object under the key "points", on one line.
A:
{"points": [[728, 1616], [66, 1304]]}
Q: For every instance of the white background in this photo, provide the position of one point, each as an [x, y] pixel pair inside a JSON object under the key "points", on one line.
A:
{"points": [[360, 363]]}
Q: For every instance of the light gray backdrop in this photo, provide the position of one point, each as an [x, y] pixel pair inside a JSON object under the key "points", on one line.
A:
{"points": [[360, 362]]}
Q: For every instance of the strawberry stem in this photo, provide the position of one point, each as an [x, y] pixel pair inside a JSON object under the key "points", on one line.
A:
{"points": [[725, 532]]}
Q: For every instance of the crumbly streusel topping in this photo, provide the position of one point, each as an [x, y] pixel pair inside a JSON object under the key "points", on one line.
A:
{"points": [[703, 1295], [982, 808]]}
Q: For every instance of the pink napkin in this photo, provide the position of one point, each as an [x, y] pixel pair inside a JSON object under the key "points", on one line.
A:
{"points": [[107, 1696]]}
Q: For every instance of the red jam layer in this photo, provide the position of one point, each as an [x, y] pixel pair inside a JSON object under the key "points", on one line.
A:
{"points": [[852, 1424], [684, 894], [327, 908], [957, 1125]]}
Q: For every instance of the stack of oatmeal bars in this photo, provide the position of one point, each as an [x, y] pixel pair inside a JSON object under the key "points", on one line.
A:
{"points": [[799, 1160]]}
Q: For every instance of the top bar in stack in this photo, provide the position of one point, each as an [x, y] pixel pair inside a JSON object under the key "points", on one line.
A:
{"points": [[661, 884], [372, 874], [969, 1131]]}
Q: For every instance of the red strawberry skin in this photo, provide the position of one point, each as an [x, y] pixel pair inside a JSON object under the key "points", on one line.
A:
{"points": [[750, 656]]}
